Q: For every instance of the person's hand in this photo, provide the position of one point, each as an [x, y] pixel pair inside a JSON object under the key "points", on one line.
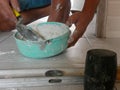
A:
{"points": [[8, 19], [81, 21]]}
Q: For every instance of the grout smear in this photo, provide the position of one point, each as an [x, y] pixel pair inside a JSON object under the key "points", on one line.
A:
{"points": [[58, 7], [8, 52]]}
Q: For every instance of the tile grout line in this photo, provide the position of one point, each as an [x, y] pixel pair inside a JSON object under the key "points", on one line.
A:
{"points": [[88, 41]]}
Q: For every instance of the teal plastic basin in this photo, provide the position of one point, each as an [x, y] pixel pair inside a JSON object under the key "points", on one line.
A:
{"points": [[52, 47]]}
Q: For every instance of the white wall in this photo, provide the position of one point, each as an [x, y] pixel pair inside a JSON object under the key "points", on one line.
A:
{"points": [[109, 15]]}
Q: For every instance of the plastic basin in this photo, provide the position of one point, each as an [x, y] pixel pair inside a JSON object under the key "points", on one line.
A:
{"points": [[52, 47]]}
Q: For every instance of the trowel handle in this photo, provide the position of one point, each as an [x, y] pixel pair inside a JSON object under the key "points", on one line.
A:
{"points": [[17, 14]]}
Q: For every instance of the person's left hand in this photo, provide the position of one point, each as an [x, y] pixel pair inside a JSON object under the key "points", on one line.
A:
{"points": [[81, 21], [7, 18]]}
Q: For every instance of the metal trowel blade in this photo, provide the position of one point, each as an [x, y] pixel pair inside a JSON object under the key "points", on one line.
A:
{"points": [[26, 32]]}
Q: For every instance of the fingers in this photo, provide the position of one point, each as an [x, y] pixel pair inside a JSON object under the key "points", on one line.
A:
{"points": [[7, 20], [7, 27], [74, 38], [71, 42], [69, 23], [71, 20], [77, 34], [15, 4]]}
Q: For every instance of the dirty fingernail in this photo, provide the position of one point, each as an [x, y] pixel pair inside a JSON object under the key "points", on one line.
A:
{"points": [[71, 40]]}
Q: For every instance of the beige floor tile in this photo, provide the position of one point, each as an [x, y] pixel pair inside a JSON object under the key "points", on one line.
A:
{"points": [[108, 43], [81, 47]]}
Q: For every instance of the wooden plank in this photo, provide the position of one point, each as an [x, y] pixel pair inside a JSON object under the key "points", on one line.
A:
{"points": [[38, 81], [39, 72], [118, 73]]}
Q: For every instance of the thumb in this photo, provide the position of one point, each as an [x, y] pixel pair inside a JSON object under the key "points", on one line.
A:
{"points": [[69, 22], [15, 5]]}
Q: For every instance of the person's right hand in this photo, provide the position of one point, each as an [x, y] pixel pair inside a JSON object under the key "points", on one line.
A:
{"points": [[7, 18]]}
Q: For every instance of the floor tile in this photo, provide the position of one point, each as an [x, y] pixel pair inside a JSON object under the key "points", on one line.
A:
{"points": [[106, 43]]}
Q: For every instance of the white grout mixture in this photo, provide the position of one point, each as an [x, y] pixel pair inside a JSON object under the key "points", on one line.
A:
{"points": [[50, 31]]}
